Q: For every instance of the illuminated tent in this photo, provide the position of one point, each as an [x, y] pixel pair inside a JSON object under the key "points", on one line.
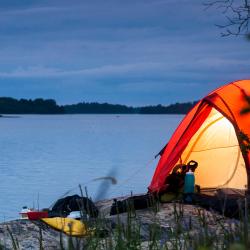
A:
{"points": [[214, 133]]}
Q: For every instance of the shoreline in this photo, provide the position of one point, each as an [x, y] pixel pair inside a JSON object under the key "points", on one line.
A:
{"points": [[168, 218]]}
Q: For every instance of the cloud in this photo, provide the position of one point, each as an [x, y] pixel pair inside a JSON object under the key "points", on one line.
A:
{"points": [[125, 50], [31, 10], [107, 70], [139, 72]]}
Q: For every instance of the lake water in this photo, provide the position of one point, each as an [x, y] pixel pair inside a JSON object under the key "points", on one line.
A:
{"points": [[42, 157]]}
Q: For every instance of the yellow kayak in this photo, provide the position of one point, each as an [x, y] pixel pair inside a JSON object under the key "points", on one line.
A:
{"points": [[69, 226]]}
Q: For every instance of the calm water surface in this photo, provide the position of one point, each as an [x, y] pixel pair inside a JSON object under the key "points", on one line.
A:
{"points": [[42, 157]]}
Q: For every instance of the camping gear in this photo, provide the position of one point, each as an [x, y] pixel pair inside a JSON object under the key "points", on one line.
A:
{"points": [[63, 207], [224, 202], [75, 215], [132, 203], [69, 226], [36, 215], [170, 196], [215, 134], [174, 183], [24, 212], [189, 183], [192, 165]]}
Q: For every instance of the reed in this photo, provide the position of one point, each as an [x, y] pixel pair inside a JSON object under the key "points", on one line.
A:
{"points": [[127, 234], [128, 231]]}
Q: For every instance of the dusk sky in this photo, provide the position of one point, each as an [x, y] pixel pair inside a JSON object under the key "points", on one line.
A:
{"points": [[134, 52]]}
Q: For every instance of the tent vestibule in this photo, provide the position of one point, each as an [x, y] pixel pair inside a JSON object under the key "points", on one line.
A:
{"points": [[211, 134]]}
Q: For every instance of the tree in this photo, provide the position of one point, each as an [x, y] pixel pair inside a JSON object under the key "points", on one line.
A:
{"points": [[237, 14]]}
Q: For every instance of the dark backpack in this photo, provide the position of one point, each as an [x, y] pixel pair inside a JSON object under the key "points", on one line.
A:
{"points": [[63, 207]]}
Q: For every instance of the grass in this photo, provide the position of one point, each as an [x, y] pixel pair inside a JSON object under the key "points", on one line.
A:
{"points": [[127, 235], [204, 231]]}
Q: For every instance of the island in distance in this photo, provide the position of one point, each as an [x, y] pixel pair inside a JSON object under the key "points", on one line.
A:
{"points": [[10, 105]]}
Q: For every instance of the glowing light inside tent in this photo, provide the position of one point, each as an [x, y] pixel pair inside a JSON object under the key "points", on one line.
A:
{"points": [[216, 149]]}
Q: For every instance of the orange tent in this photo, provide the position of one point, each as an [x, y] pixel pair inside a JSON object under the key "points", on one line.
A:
{"points": [[215, 134]]}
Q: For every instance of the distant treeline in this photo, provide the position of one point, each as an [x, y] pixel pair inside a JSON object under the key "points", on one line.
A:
{"points": [[105, 108], [10, 105], [42, 106]]}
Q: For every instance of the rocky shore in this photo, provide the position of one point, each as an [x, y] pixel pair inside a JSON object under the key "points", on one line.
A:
{"points": [[169, 218]]}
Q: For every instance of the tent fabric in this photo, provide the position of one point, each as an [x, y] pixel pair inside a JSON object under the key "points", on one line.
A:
{"points": [[211, 133], [216, 140]]}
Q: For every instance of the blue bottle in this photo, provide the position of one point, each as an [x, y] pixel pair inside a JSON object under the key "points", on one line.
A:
{"points": [[189, 182]]}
